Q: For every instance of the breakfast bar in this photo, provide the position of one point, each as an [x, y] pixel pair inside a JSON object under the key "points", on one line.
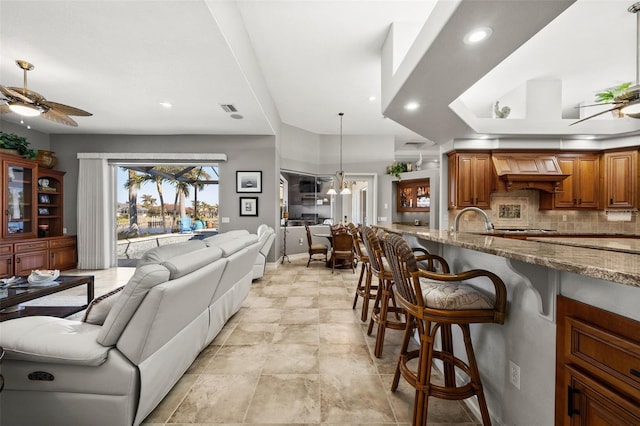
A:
{"points": [[536, 271]]}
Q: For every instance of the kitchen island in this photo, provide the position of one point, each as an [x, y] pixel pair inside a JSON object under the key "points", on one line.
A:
{"points": [[535, 273]]}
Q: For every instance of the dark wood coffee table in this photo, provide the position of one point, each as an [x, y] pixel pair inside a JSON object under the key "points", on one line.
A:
{"points": [[21, 292]]}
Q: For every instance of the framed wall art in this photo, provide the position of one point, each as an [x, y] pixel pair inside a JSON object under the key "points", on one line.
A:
{"points": [[248, 206], [249, 181]]}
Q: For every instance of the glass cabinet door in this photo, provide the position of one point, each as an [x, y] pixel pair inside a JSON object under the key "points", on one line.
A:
{"points": [[19, 215]]}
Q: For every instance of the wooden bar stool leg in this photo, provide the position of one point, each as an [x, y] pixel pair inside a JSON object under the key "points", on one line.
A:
{"points": [[475, 375], [359, 287], [382, 317], [404, 348], [423, 385], [367, 292], [376, 307], [449, 372]]}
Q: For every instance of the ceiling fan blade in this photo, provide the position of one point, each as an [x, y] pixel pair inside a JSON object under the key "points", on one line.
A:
{"points": [[65, 109], [595, 115], [598, 104], [59, 117], [12, 93], [30, 94]]}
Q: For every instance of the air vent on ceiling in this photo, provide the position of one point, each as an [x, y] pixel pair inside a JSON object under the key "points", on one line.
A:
{"points": [[414, 144], [228, 108]]}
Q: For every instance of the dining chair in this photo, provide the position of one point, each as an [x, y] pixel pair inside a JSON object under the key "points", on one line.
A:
{"points": [[342, 247], [315, 249], [435, 302]]}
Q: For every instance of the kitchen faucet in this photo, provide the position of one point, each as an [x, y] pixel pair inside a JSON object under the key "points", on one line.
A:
{"points": [[488, 226]]}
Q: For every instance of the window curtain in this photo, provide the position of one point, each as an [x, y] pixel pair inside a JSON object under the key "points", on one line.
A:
{"points": [[95, 214]]}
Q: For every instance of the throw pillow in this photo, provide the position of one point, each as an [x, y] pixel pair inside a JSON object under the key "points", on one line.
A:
{"points": [[99, 307]]}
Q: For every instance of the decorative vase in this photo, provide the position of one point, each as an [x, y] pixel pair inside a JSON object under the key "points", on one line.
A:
{"points": [[46, 159]]}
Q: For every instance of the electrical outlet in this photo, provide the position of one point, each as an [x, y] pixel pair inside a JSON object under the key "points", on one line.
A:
{"points": [[300, 241], [564, 217], [514, 374], [225, 220]]}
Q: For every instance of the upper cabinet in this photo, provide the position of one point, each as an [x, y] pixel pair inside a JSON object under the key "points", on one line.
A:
{"points": [[470, 180], [581, 189], [414, 196], [18, 197], [621, 179]]}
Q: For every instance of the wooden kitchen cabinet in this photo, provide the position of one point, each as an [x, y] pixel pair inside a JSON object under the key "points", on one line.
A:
{"points": [[621, 179], [597, 366], [470, 180], [580, 190], [413, 196]]}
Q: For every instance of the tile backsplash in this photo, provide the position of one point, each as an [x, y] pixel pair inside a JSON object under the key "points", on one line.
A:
{"points": [[520, 209]]}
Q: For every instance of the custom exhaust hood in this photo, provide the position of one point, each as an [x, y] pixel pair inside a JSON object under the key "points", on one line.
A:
{"points": [[528, 171]]}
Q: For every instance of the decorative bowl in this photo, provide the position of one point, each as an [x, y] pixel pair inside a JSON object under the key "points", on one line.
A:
{"points": [[43, 276]]}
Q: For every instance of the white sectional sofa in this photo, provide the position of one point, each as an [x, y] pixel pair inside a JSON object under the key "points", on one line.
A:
{"points": [[65, 372], [266, 235]]}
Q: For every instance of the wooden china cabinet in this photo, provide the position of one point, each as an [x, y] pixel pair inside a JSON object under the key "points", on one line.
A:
{"points": [[32, 219], [414, 196]]}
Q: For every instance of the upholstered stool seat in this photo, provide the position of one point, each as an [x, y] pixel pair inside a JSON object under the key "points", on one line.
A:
{"points": [[433, 303]]}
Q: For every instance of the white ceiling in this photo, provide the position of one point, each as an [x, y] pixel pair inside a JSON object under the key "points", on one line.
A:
{"points": [[120, 59]]}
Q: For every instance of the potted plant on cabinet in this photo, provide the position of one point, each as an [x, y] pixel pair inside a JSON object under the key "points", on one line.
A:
{"points": [[611, 96], [396, 168], [18, 145]]}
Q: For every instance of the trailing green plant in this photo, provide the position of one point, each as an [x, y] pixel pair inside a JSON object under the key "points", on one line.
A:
{"points": [[610, 95], [396, 168], [19, 143]]}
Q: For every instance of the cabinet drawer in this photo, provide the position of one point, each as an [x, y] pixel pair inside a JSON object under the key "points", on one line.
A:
{"points": [[30, 246], [62, 242], [6, 249], [612, 358]]}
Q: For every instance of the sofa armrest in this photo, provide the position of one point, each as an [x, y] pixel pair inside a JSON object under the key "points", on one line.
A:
{"points": [[52, 340]]}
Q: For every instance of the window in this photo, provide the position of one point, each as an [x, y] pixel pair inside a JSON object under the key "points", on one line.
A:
{"points": [[304, 197]]}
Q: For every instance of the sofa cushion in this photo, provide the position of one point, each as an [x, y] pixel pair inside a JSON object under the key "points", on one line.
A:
{"points": [[52, 340], [162, 253], [145, 277], [188, 262], [99, 307]]}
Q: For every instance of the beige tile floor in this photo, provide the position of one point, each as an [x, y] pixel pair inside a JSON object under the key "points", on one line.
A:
{"points": [[295, 353]]}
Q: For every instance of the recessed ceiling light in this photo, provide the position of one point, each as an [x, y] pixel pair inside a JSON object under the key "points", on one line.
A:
{"points": [[477, 35], [589, 137], [411, 106], [372, 98], [483, 137], [236, 116], [166, 104]]}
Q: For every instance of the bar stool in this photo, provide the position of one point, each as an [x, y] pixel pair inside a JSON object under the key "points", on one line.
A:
{"points": [[384, 295], [363, 289], [435, 302]]}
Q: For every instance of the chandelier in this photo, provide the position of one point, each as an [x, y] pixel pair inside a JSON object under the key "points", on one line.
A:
{"points": [[342, 184]]}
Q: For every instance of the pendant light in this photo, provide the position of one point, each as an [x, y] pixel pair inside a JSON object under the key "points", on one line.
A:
{"points": [[342, 184]]}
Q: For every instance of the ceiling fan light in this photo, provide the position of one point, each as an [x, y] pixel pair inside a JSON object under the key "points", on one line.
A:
{"points": [[24, 109], [632, 108]]}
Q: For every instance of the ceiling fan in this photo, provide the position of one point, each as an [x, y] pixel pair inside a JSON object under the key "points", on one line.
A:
{"points": [[626, 103], [32, 104]]}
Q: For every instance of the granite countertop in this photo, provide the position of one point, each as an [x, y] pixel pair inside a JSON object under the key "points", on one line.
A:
{"points": [[596, 262], [623, 245]]}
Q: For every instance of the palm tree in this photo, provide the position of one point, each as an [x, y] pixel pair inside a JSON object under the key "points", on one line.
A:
{"points": [[144, 177], [132, 184]]}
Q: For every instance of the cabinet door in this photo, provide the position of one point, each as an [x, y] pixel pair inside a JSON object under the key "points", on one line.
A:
{"points": [[591, 404], [588, 184], [567, 198], [63, 258], [19, 199], [465, 184], [482, 178], [27, 262], [580, 190], [6, 266], [621, 179]]}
